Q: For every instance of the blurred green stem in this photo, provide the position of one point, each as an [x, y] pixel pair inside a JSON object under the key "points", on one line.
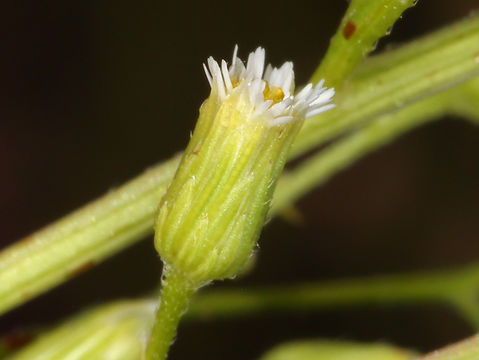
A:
{"points": [[466, 102], [449, 288], [322, 165], [80, 240], [465, 350], [113, 331], [452, 287]]}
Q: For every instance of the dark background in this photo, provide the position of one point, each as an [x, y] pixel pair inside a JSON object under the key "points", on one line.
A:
{"points": [[92, 93]]}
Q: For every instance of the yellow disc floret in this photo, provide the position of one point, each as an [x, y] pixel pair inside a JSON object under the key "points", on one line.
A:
{"points": [[273, 93]]}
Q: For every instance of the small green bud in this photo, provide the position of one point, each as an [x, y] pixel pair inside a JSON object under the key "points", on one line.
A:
{"points": [[212, 214], [115, 331], [337, 350]]}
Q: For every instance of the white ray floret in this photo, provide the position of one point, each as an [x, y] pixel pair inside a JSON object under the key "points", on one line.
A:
{"points": [[250, 83]]}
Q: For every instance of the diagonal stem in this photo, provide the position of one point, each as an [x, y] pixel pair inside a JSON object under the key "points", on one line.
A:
{"points": [[176, 292]]}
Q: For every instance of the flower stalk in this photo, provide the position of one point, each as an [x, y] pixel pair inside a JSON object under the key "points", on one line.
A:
{"points": [[213, 212], [175, 295]]}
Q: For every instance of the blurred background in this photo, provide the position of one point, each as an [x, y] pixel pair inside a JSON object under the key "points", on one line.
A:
{"points": [[92, 93]]}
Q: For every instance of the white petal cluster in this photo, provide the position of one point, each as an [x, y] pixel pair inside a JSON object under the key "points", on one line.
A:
{"points": [[252, 80]]}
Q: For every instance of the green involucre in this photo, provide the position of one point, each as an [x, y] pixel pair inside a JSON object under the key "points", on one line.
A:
{"points": [[213, 212]]}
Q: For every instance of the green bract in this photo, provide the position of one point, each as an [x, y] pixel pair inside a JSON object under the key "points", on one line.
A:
{"points": [[215, 207]]}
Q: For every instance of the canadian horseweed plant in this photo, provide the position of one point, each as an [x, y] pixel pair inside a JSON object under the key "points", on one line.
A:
{"points": [[207, 206]]}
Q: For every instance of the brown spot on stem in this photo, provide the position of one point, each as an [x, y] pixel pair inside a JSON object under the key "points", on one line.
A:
{"points": [[17, 340], [197, 149], [349, 29], [81, 269], [24, 241]]}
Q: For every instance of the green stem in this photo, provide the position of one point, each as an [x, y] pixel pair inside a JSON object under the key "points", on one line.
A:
{"points": [[465, 350], [363, 24], [112, 331], [447, 59], [433, 287], [457, 288], [321, 166], [176, 292], [465, 103], [82, 239]]}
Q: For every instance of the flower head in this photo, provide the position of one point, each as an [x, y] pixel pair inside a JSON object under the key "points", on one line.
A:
{"points": [[269, 93], [213, 212]]}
